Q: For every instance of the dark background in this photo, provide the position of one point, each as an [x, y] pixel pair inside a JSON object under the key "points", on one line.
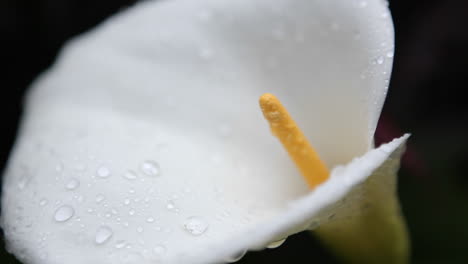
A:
{"points": [[426, 98]]}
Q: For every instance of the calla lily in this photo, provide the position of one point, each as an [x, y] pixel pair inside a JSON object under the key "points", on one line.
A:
{"points": [[145, 142]]}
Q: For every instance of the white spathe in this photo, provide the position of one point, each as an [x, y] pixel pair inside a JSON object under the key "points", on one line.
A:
{"points": [[145, 141]]}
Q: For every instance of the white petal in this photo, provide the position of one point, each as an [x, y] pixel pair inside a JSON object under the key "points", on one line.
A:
{"points": [[339, 199], [155, 115], [203, 64]]}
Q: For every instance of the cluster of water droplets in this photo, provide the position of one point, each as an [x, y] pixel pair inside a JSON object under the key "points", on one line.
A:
{"points": [[132, 212], [65, 212]]}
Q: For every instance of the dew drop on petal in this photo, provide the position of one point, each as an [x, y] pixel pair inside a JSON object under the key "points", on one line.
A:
{"points": [[64, 213], [380, 60], [170, 206], [150, 168], [23, 182], [103, 172], [195, 225], [103, 234], [276, 244], [120, 244], [73, 184], [131, 211], [100, 198], [43, 202], [130, 175]]}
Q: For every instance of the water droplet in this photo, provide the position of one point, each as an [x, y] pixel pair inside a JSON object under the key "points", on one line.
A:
{"points": [[43, 202], [195, 225], [390, 54], [103, 234], [380, 60], [120, 244], [236, 257], [79, 198], [130, 175], [72, 184], [171, 206], [150, 168], [150, 220], [23, 182], [276, 244], [100, 198], [127, 201], [64, 213], [131, 212], [103, 172], [139, 229]]}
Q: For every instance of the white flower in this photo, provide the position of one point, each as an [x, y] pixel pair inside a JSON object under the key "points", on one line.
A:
{"points": [[145, 141]]}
